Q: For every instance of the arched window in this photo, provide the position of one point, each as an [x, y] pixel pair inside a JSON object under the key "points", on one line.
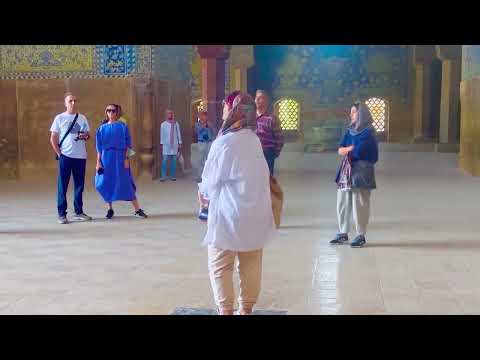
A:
{"points": [[379, 109], [288, 112]]}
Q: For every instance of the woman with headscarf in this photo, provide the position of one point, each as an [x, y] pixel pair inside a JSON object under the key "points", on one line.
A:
{"points": [[240, 220], [114, 179], [359, 148]]}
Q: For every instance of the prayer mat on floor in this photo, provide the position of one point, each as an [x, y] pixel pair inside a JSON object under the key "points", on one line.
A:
{"points": [[200, 311]]}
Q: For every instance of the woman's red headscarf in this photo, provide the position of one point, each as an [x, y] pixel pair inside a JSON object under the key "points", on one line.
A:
{"points": [[241, 108]]}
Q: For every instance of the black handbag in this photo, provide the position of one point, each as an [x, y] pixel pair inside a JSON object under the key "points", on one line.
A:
{"points": [[363, 175], [66, 134]]}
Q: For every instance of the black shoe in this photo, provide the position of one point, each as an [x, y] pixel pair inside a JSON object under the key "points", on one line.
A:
{"points": [[109, 214], [340, 239], [203, 214], [140, 213], [358, 242]]}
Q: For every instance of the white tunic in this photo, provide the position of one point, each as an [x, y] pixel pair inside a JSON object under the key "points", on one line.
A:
{"points": [[170, 148], [237, 181]]}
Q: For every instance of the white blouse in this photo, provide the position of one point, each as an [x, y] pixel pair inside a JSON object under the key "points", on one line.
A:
{"points": [[236, 180]]}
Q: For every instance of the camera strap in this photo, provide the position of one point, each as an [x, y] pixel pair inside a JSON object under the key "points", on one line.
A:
{"points": [[68, 131]]}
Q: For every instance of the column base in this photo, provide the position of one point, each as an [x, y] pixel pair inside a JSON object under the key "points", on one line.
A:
{"points": [[447, 148], [423, 139]]}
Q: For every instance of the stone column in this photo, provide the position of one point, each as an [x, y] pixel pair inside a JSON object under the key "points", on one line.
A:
{"points": [[423, 55], [240, 78], [241, 57], [450, 55], [144, 111], [213, 81]]}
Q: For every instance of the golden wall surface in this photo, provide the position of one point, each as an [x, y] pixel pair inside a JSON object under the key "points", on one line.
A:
{"points": [[469, 157], [29, 107]]}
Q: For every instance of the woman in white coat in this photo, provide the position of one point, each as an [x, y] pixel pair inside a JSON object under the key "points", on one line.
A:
{"points": [[240, 220]]}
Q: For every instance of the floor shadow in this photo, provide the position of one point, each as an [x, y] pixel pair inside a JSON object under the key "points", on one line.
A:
{"points": [[31, 232], [439, 245], [184, 215], [114, 219], [300, 226], [164, 216], [416, 224]]}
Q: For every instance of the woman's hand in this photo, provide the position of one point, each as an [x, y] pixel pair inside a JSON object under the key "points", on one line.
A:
{"points": [[127, 163], [98, 166], [201, 200], [345, 150]]}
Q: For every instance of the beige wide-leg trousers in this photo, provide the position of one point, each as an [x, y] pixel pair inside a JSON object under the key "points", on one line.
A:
{"points": [[249, 267], [354, 202]]}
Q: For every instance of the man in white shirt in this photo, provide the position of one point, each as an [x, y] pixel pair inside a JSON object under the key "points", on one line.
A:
{"points": [[72, 157], [171, 142]]}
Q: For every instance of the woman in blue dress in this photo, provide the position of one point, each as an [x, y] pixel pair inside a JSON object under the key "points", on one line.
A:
{"points": [[114, 179]]}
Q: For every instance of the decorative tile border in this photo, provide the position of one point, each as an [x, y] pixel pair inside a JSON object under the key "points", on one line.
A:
{"points": [[74, 61]]}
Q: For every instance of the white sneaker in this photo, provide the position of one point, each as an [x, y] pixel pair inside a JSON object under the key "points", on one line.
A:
{"points": [[82, 217], [62, 220]]}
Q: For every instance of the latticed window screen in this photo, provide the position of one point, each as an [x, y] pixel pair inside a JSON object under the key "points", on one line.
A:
{"points": [[289, 114], [378, 109]]}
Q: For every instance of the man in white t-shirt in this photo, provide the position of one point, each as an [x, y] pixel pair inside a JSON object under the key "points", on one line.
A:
{"points": [[72, 157]]}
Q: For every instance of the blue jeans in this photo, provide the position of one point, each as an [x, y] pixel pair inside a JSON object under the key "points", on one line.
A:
{"points": [[66, 167], [203, 150], [173, 165], [270, 156]]}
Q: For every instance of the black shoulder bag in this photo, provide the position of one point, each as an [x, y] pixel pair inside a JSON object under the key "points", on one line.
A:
{"points": [[66, 134]]}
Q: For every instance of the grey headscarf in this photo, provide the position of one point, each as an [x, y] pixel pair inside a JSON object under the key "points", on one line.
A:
{"points": [[364, 120]]}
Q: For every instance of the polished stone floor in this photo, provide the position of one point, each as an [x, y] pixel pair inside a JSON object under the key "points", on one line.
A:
{"points": [[423, 253]]}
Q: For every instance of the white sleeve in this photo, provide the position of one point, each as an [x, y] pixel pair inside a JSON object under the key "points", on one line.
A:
{"points": [[55, 127], [87, 127], [216, 170], [179, 133], [161, 133]]}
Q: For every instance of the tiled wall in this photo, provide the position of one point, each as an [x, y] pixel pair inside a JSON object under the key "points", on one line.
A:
{"points": [[74, 61]]}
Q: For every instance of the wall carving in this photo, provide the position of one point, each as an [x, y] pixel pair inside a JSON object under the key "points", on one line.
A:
{"points": [[331, 74], [78, 61], [172, 62], [470, 61]]}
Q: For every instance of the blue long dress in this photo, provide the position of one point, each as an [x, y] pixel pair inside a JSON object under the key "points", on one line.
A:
{"points": [[116, 182]]}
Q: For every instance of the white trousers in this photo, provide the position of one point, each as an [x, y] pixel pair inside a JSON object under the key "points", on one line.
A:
{"points": [[354, 202], [221, 267]]}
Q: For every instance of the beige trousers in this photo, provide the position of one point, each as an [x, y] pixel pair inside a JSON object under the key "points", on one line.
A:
{"points": [[249, 267], [354, 202]]}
